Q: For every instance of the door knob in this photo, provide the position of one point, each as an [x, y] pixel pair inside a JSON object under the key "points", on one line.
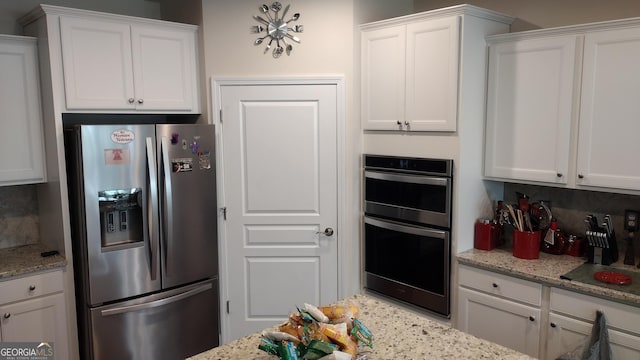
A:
{"points": [[7, 315], [327, 232]]}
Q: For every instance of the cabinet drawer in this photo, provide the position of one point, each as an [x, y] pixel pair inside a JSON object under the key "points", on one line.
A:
{"points": [[501, 285], [21, 288], [618, 315]]}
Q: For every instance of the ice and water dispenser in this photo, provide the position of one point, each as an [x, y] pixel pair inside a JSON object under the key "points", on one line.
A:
{"points": [[121, 217]]}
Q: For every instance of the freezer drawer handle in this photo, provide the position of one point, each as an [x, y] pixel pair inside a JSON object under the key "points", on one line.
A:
{"points": [[161, 302]]}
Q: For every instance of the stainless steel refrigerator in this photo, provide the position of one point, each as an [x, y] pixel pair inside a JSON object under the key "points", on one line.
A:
{"points": [[144, 234]]}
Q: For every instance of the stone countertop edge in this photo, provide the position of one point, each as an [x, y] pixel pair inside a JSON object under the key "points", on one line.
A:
{"points": [[546, 269], [24, 260], [399, 333]]}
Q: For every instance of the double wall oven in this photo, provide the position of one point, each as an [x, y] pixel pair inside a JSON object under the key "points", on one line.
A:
{"points": [[407, 223]]}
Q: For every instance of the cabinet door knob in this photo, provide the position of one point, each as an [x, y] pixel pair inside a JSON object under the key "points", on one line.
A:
{"points": [[531, 318], [559, 175], [32, 287], [580, 176], [494, 285], [140, 101], [406, 123], [553, 325], [131, 100], [7, 315]]}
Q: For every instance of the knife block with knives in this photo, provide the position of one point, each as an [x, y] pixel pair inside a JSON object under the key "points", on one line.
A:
{"points": [[602, 247]]}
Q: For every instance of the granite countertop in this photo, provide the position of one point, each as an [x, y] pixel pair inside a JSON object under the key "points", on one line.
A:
{"points": [[26, 259], [547, 270], [399, 333]]}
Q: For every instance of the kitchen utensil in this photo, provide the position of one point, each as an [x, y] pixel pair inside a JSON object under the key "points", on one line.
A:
{"points": [[540, 215], [513, 216], [527, 221], [295, 17], [278, 50], [265, 10], [520, 220], [275, 7], [261, 19], [284, 12], [612, 277], [266, 49], [602, 245], [294, 38]]}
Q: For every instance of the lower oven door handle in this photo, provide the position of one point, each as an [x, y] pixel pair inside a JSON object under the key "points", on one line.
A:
{"points": [[405, 228], [415, 179]]}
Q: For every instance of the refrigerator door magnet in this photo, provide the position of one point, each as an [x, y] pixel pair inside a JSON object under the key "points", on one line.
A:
{"points": [[182, 165]]}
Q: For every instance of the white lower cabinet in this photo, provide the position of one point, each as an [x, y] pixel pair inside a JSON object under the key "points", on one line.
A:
{"points": [[571, 320], [513, 312], [500, 309], [32, 309]]}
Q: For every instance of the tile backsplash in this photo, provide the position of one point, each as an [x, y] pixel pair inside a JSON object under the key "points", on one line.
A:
{"points": [[19, 220], [570, 207]]}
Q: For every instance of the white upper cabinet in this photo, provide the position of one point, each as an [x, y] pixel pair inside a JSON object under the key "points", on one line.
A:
{"points": [[115, 64], [21, 138], [383, 82], [96, 76], [120, 65], [419, 72], [608, 146], [410, 76], [563, 107], [529, 109]]}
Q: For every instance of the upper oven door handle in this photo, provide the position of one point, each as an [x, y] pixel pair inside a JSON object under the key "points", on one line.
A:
{"points": [[415, 179], [405, 228]]}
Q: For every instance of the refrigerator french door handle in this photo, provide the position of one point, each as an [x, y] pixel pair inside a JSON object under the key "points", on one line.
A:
{"points": [[152, 207], [160, 302], [168, 208]]}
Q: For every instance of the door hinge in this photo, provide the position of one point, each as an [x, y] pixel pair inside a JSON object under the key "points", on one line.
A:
{"points": [[220, 115], [223, 210], [227, 306]]}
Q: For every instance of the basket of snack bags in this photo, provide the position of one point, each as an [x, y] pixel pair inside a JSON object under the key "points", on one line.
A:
{"points": [[318, 333]]}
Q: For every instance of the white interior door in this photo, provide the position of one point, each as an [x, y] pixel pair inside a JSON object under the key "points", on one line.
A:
{"points": [[279, 149]]}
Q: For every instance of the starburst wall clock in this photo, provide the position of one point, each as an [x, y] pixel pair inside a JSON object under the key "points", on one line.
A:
{"points": [[277, 29]]}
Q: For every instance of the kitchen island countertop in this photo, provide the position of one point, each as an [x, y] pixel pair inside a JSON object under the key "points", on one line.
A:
{"points": [[399, 333], [547, 270], [21, 260]]}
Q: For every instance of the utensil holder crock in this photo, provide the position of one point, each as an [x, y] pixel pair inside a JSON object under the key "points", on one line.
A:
{"points": [[526, 244]]}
